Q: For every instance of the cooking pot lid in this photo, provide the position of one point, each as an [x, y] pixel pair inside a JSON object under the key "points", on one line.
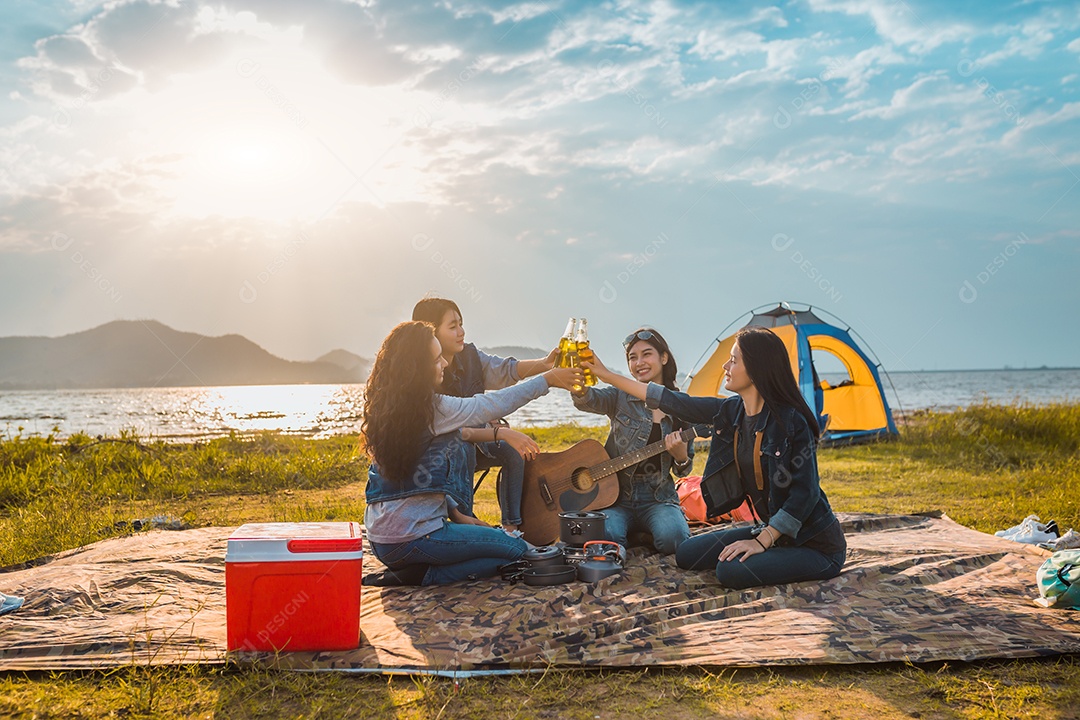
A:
{"points": [[544, 552], [582, 515]]}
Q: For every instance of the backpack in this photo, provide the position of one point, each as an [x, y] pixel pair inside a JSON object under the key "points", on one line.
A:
{"points": [[694, 505], [1059, 580]]}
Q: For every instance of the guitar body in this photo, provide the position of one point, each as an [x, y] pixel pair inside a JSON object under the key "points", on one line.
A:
{"points": [[560, 482]]}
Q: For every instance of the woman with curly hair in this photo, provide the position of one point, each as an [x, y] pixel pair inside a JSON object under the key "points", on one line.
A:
{"points": [[470, 372], [418, 480]]}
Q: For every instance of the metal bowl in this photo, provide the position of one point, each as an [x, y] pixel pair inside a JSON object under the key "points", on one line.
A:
{"points": [[553, 575]]}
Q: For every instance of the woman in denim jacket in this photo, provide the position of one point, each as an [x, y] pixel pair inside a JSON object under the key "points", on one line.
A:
{"points": [[647, 497], [418, 480], [770, 434], [470, 372]]}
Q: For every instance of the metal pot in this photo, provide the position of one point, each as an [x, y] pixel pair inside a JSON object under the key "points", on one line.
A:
{"points": [[545, 556], [578, 528], [602, 559]]}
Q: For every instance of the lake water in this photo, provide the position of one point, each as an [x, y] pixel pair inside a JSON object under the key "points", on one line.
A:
{"points": [[322, 410]]}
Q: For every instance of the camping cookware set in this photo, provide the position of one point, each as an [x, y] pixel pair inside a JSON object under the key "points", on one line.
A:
{"points": [[578, 528], [583, 554]]}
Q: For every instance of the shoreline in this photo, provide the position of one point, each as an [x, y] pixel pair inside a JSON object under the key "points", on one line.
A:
{"points": [[903, 418]]}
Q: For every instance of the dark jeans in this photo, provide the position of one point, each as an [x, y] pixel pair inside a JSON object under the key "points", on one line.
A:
{"points": [[513, 476], [665, 521], [775, 566], [454, 552]]}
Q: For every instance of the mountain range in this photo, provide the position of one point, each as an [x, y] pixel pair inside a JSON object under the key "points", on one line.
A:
{"points": [[147, 353]]}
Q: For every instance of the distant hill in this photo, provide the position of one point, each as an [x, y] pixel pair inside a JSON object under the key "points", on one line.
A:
{"points": [[521, 353], [347, 360], [138, 353]]}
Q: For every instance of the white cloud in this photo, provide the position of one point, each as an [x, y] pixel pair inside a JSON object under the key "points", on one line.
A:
{"points": [[899, 22]]}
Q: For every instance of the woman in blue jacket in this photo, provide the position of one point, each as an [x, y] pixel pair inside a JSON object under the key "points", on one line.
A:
{"points": [[470, 372], [647, 500], [418, 481], [770, 434]]}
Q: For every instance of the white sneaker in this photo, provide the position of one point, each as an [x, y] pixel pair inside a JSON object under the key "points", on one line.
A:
{"points": [[1030, 531], [1068, 541], [1026, 525]]}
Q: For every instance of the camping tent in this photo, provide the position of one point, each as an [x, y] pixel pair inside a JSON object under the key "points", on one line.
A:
{"points": [[851, 410]]}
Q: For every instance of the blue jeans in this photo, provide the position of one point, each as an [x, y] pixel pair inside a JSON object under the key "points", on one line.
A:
{"points": [[513, 477], [663, 519], [454, 552], [775, 566]]}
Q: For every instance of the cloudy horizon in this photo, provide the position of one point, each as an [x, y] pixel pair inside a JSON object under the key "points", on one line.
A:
{"points": [[302, 173]]}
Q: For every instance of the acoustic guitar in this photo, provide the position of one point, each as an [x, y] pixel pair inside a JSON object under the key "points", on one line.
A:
{"points": [[581, 478]]}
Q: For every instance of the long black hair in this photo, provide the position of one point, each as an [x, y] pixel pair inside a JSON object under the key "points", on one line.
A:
{"points": [[767, 363], [399, 400], [434, 309]]}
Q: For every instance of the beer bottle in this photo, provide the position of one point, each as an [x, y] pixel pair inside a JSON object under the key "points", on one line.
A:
{"points": [[583, 350], [567, 346]]}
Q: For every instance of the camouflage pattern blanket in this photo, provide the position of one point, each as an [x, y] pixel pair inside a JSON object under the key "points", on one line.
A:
{"points": [[915, 588]]}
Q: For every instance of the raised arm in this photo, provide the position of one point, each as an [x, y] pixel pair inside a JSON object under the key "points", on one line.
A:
{"points": [[689, 408], [452, 413], [528, 368]]}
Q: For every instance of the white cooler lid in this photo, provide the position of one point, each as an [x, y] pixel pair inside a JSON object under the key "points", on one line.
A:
{"points": [[295, 542]]}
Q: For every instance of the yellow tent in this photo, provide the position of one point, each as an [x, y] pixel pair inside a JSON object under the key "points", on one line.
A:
{"points": [[852, 410]]}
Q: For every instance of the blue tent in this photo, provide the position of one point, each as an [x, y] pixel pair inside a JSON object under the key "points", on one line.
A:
{"points": [[851, 409]]}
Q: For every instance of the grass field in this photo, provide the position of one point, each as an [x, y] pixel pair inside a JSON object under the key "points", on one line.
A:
{"points": [[986, 467]]}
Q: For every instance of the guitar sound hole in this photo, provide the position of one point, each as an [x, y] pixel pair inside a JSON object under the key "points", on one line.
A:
{"points": [[582, 480]]}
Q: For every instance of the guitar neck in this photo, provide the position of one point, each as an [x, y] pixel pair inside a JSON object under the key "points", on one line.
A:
{"points": [[631, 458]]}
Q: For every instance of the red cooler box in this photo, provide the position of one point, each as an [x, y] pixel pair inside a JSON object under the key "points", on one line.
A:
{"points": [[293, 586]]}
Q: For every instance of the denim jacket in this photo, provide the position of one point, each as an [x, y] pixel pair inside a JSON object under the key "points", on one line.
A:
{"points": [[797, 506], [631, 423], [474, 371], [443, 468]]}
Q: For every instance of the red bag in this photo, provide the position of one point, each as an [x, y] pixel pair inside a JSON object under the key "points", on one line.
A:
{"points": [[693, 505]]}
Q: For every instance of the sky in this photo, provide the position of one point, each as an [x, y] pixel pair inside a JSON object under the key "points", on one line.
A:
{"points": [[302, 173]]}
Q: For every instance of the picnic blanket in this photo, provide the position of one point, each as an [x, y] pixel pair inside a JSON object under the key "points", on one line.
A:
{"points": [[915, 588]]}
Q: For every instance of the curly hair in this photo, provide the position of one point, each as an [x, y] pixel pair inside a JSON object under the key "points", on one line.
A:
{"points": [[399, 400]]}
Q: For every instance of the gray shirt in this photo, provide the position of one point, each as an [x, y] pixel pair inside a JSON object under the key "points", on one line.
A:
{"points": [[397, 521]]}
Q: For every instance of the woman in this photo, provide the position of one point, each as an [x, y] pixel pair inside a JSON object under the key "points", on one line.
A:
{"points": [[417, 480], [647, 497], [771, 434], [470, 372]]}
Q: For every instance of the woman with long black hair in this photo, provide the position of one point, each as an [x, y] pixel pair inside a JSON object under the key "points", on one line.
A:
{"points": [[770, 433], [418, 480]]}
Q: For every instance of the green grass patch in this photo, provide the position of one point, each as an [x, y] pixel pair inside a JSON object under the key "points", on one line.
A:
{"points": [[986, 467]]}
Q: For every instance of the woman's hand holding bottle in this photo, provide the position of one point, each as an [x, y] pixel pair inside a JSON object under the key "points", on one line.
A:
{"points": [[597, 367], [565, 378]]}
